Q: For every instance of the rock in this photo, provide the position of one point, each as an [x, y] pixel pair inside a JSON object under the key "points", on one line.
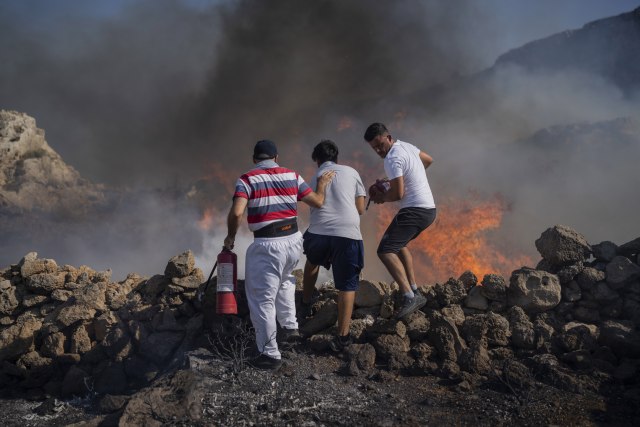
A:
{"points": [[326, 317], [76, 382], [72, 313], [621, 337], [177, 398], [577, 336], [19, 337], [80, 342], [8, 300], [180, 265], [53, 344], [387, 327], [369, 294], [92, 295], [476, 300], [30, 265], [567, 273], [192, 281], [561, 245], [602, 293], [621, 271], [361, 358], [417, 326], [389, 346], [533, 290], [475, 359], [140, 369], [445, 337], [110, 403], [468, 279], [451, 292], [630, 248], [45, 283], [454, 313], [522, 332], [155, 286], [605, 251], [627, 370], [494, 287], [110, 379], [159, 346], [588, 277], [586, 314], [571, 292]]}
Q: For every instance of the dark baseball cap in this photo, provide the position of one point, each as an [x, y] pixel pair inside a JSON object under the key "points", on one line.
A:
{"points": [[265, 149]]}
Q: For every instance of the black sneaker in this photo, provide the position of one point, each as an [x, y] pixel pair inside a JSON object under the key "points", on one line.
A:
{"points": [[339, 343], [411, 304], [265, 362]]}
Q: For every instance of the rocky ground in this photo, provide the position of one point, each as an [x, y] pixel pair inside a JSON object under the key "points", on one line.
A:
{"points": [[312, 390], [557, 344]]}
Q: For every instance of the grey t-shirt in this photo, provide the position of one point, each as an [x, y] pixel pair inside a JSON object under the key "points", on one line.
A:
{"points": [[338, 216]]}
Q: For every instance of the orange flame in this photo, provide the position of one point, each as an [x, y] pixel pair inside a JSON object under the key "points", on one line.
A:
{"points": [[345, 123], [458, 240]]}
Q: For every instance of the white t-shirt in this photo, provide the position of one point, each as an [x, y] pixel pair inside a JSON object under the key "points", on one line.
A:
{"points": [[404, 160], [338, 216]]}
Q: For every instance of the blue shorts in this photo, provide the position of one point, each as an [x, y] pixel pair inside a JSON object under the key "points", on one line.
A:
{"points": [[346, 256]]}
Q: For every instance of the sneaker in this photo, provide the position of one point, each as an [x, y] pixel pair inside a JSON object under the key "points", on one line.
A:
{"points": [[411, 304], [265, 362], [339, 343], [289, 335]]}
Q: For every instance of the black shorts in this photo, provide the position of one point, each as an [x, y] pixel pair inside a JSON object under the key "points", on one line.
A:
{"points": [[405, 226], [346, 256]]}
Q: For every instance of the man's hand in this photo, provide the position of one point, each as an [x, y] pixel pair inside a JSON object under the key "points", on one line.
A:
{"points": [[378, 190], [229, 242], [325, 179]]}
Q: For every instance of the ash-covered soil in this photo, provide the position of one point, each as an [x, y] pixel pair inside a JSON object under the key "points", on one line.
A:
{"points": [[312, 389]]}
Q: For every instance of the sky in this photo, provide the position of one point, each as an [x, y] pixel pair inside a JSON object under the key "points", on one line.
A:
{"points": [[166, 93]]}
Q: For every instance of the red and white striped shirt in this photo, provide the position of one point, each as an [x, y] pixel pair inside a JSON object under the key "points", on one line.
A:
{"points": [[273, 193]]}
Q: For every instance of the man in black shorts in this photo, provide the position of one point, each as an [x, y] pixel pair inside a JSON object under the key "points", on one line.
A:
{"points": [[333, 239], [405, 166]]}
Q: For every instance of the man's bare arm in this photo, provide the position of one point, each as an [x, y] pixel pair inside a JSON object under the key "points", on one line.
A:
{"points": [[425, 159], [360, 204], [315, 199], [233, 220]]}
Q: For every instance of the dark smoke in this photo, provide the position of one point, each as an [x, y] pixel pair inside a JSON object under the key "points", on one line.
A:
{"points": [[153, 93]]}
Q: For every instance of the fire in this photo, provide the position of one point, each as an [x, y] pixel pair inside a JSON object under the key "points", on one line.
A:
{"points": [[206, 222], [345, 123], [458, 240]]}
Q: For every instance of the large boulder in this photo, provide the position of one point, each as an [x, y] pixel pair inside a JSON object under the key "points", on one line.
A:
{"points": [[533, 290], [561, 245], [369, 294], [180, 265], [621, 337], [621, 271]]}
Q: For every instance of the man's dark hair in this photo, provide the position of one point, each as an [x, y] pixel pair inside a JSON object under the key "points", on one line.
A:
{"points": [[325, 151], [375, 129]]}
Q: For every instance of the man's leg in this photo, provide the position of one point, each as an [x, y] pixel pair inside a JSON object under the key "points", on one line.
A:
{"points": [[309, 281], [407, 262], [289, 251], [345, 309], [262, 280], [396, 269]]}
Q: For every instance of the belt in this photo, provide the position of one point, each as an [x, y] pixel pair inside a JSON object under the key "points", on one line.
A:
{"points": [[278, 229]]}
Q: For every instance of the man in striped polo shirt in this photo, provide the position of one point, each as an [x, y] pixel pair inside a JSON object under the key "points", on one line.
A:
{"points": [[270, 193]]}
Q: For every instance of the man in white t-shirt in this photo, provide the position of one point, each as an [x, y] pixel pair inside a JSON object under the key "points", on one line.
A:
{"points": [[405, 166], [333, 239]]}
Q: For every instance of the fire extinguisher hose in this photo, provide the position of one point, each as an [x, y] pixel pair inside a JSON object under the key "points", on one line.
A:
{"points": [[206, 286]]}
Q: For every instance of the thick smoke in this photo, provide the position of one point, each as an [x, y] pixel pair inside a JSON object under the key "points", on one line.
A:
{"points": [[157, 93]]}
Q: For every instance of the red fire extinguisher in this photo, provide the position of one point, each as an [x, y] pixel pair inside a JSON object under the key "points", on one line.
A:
{"points": [[227, 283]]}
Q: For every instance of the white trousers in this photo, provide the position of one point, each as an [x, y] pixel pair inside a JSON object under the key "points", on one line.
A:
{"points": [[271, 287]]}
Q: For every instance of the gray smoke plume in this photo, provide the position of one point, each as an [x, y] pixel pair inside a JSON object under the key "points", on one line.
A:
{"points": [[159, 93]]}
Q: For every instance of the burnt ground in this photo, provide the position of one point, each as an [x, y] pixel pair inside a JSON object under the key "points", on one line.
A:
{"points": [[311, 389]]}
